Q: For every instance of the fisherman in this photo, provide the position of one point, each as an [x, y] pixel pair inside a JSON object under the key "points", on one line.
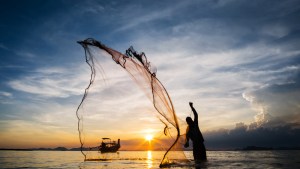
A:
{"points": [[193, 132]]}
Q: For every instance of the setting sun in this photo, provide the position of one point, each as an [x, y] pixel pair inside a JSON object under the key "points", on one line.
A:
{"points": [[149, 137]]}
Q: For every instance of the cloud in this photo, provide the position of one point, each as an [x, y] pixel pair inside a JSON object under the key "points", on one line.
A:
{"points": [[275, 30], [278, 100], [91, 7], [5, 94], [285, 135], [24, 53], [50, 82], [6, 97], [139, 17], [3, 47]]}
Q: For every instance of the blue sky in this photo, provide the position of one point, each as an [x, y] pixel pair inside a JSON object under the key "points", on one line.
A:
{"points": [[238, 61]]}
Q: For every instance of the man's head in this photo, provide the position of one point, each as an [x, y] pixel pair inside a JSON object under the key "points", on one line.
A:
{"points": [[189, 121]]}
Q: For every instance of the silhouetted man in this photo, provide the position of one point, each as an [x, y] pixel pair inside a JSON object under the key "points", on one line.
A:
{"points": [[193, 132]]}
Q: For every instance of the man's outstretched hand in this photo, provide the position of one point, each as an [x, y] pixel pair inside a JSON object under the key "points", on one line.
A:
{"points": [[191, 104]]}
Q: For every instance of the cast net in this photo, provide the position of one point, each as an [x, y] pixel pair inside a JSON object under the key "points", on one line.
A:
{"points": [[97, 103]]}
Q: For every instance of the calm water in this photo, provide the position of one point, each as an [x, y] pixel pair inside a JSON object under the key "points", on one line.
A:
{"points": [[147, 159]]}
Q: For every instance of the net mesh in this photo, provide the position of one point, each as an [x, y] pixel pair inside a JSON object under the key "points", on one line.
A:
{"points": [[143, 74]]}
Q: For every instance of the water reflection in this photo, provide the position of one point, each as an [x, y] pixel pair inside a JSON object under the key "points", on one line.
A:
{"points": [[149, 159]]}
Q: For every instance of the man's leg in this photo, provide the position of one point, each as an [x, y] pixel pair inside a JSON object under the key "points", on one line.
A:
{"points": [[202, 152]]}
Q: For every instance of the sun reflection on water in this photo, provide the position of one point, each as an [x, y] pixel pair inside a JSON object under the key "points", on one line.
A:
{"points": [[149, 159]]}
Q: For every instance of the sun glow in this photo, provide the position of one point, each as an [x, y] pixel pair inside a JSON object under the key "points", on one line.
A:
{"points": [[149, 137]]}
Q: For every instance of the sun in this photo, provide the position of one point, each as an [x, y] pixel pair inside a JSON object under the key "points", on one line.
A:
{"points": [[149, 137]]}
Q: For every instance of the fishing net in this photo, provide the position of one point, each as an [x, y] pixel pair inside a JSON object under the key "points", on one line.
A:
{"points": [[95, 103]]}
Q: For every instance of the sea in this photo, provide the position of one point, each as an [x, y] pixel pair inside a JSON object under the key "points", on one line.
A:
{"points": [[149, 159]]}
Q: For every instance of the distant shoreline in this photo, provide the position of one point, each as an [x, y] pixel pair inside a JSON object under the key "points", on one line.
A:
{"points": [[248, 148]]}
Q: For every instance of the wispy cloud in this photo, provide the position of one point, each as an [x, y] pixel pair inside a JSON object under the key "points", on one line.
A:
{"points": [[26, 54], [3, 47], [50, 82], [6, 97], [5, 94]]}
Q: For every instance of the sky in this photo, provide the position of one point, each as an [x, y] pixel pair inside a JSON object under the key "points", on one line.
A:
{"points": [[238, 61]]}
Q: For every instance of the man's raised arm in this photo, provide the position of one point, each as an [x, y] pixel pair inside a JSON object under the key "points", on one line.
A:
{"points": [[195, 113]]}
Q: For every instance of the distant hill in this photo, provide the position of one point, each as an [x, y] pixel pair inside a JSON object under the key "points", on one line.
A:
{"points": [[53, 149], [38, 149], [257, 148]]}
